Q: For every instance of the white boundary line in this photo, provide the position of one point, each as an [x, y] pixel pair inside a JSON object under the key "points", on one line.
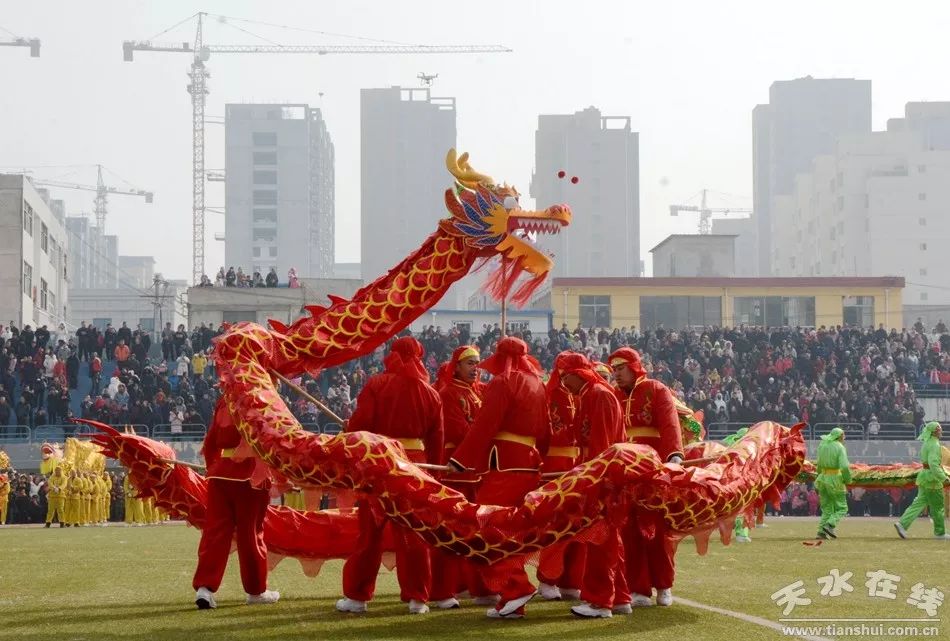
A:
{"points": [[748, 618]]}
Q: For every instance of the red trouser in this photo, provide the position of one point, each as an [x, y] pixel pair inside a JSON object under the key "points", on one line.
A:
{"points": [[451, 573], [649, 561], [508, 576], [362, 567], [235, 511], [575, 560], [604, 581]]}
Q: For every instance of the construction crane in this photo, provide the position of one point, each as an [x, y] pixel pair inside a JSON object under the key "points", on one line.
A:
{"points": [[102, 193], [17, 41], [198, 89], [705, 212]]}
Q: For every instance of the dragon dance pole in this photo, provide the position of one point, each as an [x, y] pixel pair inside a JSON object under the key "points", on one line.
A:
{"points": [[504, 298]]}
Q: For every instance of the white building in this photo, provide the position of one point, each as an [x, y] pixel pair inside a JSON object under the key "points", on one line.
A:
{"points": [[695, 255], [279, 190], [404, 136], [33, 257], [603, 154], [118, 305], [875, 206], [137, 271], [93, 258], [804, 118]]}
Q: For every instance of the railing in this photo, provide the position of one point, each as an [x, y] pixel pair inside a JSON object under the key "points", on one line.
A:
{"points": [[931, 390], [855, 431]]}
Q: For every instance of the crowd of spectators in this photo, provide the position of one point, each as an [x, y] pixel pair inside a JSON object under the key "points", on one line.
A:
{"points": [[829, 375], [801, 499], [238, 278]]}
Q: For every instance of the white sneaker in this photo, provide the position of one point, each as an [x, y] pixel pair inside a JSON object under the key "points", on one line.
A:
{"points": [[942, 537], [640, 601], [492, 613], [204, 599], [447, 604], [743, 539], [587, 611], [491, 599], [267, 596], [623, 608], [514, 604], [570, 594], [901, 532], [549, 592], [350, 605], [664, 597], [419, 607]]}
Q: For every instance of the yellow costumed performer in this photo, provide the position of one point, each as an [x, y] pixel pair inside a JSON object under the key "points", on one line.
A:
{"points": [[56, 497], [4, 497]]}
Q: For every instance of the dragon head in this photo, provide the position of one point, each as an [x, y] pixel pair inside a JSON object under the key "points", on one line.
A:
{"points": [[492, 221]]}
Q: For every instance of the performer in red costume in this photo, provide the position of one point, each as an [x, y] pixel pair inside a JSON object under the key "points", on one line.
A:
{"points": [[235, 511], [510, 435], [597, 426], [461, 394], [562, 455], [398, 403], [650, 418]]}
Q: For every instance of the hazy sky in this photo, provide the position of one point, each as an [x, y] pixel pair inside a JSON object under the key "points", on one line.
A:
{"points": [[688, 73]]}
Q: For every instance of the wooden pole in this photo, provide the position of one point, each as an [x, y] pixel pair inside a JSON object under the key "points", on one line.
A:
{"points": [[504, 297], [326, 410], [194, 466]]}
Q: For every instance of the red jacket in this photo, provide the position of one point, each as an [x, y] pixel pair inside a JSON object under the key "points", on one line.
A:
{"points": [[598, 423], [650, 417], [218, 449], [403, 408], [512, 430], [563, 452], [461, 403]]}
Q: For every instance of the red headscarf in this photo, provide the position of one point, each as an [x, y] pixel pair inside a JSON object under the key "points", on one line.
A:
{"points": [[579, 365], [560, 361], [447, 370], [630, 357], [511, 354], [405, 359]]}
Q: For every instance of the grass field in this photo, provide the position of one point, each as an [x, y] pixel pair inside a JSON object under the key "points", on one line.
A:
{"points": [[135, 583]]}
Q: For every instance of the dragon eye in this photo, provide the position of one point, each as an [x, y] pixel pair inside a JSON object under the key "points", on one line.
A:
{"points": [[511, 202]]}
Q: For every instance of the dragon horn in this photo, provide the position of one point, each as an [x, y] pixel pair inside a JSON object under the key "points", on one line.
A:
{"points": [[459, 167]]}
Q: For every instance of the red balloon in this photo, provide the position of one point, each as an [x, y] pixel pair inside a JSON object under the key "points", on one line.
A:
{"points": [[561, 174], [575, 180]]}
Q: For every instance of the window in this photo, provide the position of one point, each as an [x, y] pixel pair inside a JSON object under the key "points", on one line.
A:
{"points": [[148, 324], [265, 157], [923, 295], [239, 316], [44, 294], [677, 312], [27, 278], [265, 177], [44, 238], [594, 311], [775, 311], [52, 302], [265, 197], [857, 311], [922, 222], [272, 251], [921, 169], [265, 216], [257, 252], [28, 218], [923, 271], [462, 326], [101, 323], [923, 247], [921, 196], [840, 203], [267, 235], [265, 138]]}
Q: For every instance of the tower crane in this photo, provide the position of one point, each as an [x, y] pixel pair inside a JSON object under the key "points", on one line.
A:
{"points": [[705, 212], [17, 41], [198, 89], [102, 192]]}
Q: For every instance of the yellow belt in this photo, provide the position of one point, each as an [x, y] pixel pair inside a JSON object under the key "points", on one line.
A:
{"points": [[831, 471], [515, 438], [565, 451], [633, 432], [412, 443], [228, 452], [450, 446]]}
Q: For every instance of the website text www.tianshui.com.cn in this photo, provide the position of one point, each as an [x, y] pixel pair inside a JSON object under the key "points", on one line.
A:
{"points": [[862, 630]]}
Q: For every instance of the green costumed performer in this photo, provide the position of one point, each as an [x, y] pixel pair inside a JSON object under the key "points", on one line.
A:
{"points": [[739, 528], [930, 483], [833, 475]]}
